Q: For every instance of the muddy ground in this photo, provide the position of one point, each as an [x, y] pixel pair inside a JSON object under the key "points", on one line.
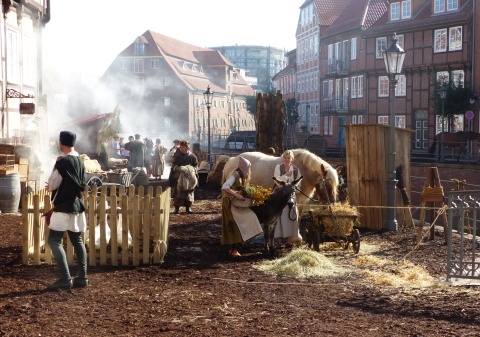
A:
{"points": [[200, 291]]}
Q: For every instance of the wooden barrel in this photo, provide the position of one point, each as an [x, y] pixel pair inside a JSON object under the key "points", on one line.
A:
{"points": [[9, 193]]}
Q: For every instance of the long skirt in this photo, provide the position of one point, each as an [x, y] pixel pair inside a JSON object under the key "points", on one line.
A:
{"points": [[157, 168]]}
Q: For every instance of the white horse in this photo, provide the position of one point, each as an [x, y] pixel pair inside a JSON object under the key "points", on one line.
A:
{"points": [[318, 175]]}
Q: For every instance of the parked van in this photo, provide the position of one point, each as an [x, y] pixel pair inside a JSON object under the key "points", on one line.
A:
{"points": [[241, 141]]}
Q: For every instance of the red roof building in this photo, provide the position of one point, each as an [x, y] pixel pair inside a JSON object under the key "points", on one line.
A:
{"points": [[159, 83]]}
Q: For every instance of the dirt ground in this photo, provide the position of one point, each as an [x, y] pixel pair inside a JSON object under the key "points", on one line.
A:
{"points": [[200, 291]]}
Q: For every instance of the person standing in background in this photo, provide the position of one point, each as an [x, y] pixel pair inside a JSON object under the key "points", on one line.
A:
{"points": [[148, 155], [67, 183], [182, 197], [158, 162], [126, 148], [173, 150], [137, 152]]}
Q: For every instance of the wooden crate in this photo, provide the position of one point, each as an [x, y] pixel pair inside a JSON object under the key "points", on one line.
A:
{"points": [[7, 149], [367, 170], [7, 159]]}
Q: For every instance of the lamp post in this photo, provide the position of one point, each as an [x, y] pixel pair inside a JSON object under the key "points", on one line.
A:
{"points": [[443, 95], [207, 96], [393, 57]]}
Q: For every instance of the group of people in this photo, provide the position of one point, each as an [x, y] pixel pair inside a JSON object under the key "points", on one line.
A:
{"points": [[67, 183], [141, 153], [240, 224]]}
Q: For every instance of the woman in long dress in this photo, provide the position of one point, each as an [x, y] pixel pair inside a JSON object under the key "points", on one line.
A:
{"points": [[158, 162], [238, 223], [286, 227]]}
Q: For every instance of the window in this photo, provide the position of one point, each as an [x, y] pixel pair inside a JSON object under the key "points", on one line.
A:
{"points": [[400, 89], [381, 45], [28, 60], [360, 86], [354, 87], [400, 121], [455, 42], [138, 83], [330, 54], [328, 125], [360, 119], [354, 119], [123, 64], [164, 101], [439, 5], [395, 11], [154, 64], [440, 40], [165, 81], [222, 104], [383, 120], [458, 78], [383, 86], [214, 103], [138, 66], [452, 5], [401, 41], [353, 48], [13, 57], [406, 9], [139, 47]]}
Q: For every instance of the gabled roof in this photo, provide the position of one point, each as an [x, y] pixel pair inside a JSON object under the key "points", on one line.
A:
{"points": [[193, 65], [329, 10], [423, 18], [291, 66], [359, 14]]}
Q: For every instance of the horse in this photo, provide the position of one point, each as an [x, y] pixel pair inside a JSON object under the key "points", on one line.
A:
{"points": [[458, 140], [269, 212], [318, 175]]}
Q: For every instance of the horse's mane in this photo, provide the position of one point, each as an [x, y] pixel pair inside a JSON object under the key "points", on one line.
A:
{"points": [[314, 162]]}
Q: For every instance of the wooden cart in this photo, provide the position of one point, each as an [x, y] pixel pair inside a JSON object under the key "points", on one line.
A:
{"points": [[328, 228]]}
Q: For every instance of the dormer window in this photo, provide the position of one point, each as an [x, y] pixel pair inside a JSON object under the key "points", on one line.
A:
{"points": [[140, 43], [441, 5], [400, 10]]}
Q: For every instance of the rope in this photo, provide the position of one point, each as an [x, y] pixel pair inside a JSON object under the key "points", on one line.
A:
{"points": [[440, 212]]}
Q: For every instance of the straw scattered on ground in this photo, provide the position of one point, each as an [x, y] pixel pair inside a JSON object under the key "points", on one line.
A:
{"points": [[301, 263]]}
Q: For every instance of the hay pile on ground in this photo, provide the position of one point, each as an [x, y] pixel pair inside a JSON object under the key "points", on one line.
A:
{"points": [[394, 273], [301, 263], [344, 214]]}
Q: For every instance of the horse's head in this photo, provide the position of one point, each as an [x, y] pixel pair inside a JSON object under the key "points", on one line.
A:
{"points": [[327, 184]]}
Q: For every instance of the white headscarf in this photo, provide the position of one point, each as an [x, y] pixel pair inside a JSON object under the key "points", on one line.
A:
{"points": [[244, 166]]}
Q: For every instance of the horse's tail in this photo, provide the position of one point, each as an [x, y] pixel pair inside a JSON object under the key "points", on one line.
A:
{"points": [[432, 147]]}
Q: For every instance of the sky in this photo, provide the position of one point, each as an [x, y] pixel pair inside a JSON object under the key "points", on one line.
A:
{"points": [[85, 37]]}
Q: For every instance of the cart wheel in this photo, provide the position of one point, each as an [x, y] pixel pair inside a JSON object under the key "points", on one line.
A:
{"points": [[316, 240], [355, 239], [93, 181]]}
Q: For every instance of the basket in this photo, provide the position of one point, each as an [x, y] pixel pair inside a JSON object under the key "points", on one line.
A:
{"points": [[243, 203]]}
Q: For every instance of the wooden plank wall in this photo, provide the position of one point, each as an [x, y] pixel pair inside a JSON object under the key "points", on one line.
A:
{"points": [[367, 169]]}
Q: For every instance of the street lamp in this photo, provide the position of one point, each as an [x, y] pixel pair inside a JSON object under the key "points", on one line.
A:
{"points": [[207, 96], [442, 92], [393, 57]]}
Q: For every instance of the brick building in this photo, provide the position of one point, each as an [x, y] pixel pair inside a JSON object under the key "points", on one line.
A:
{"points": [[440, 38], [159, 83]]}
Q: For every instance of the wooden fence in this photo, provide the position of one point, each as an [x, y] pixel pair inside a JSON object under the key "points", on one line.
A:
{"points": [[142, 219]]}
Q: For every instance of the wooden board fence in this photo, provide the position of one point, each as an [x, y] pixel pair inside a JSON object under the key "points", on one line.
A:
{"points": [[140, 221]]}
